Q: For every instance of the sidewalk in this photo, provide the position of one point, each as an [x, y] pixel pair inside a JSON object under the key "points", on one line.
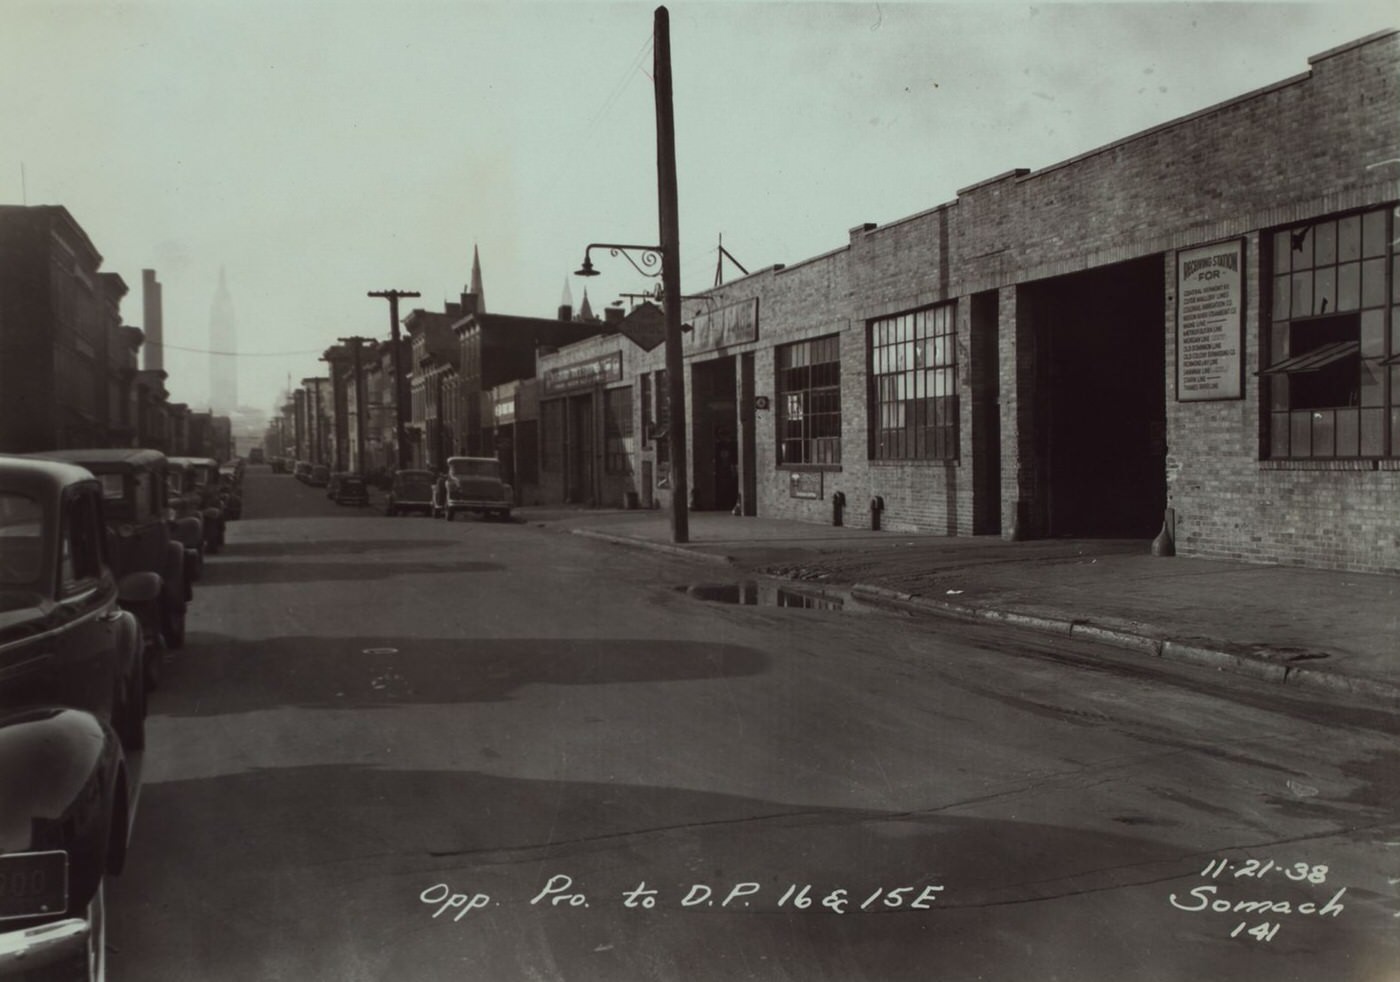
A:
{"points": [[1308, 628]]}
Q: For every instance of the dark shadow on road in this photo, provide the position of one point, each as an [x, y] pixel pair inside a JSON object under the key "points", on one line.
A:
{"points": [[341, 673], [346, 853], [240, 573], [325, 547]]}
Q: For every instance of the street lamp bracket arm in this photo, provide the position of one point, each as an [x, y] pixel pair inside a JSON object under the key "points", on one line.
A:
{"points": [[647, 259]]}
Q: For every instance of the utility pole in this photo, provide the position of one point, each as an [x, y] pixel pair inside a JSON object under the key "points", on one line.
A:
{"points": [[671, 273], [400, 394], [354, 344]]}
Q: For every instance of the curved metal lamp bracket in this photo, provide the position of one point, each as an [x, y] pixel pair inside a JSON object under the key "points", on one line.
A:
{"points": [[647, 259]]}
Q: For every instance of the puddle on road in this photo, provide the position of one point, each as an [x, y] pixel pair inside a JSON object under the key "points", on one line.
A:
{"points": [[751, 593]]}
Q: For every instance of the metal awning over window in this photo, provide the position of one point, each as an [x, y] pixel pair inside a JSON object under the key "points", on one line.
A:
{"points": [[1311, 361]]}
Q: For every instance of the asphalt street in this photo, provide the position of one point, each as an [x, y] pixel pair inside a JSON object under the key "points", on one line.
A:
{"points": [[397, 748]]}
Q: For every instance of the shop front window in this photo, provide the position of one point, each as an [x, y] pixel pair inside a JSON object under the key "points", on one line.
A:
{"points": [[1333, 344], [552, 436], [617, 427]]}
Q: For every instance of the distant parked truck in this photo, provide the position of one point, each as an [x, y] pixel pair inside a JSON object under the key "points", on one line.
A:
{"points": [[255, 456]]}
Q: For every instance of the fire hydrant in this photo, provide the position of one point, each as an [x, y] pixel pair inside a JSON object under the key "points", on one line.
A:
{"points": [[877, 505]]}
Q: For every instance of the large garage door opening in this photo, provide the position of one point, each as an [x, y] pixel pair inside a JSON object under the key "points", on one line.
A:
{"points": [[1102, 434]]}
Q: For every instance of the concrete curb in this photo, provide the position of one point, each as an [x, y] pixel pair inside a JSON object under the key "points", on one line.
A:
{"points": [[1207, 653], [685, 552]]}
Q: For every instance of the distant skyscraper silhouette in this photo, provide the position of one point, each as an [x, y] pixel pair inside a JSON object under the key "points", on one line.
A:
{"points": [[223, 343]]}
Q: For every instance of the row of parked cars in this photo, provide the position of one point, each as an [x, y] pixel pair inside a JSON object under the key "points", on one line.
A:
{"points": [[99, 553]]}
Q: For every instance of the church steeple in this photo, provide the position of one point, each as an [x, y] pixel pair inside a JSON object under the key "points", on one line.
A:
{"points": [[585, 312], [475, 287], [566, 303]]}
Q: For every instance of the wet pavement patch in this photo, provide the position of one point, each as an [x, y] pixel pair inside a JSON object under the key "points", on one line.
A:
{"points": [[751, 593]]}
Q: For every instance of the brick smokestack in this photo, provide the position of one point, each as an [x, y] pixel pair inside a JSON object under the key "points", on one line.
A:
{"points": [[153, 351]]}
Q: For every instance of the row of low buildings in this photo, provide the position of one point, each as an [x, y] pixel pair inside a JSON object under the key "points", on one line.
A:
{"points": [[1195, 328], [72, 373]]}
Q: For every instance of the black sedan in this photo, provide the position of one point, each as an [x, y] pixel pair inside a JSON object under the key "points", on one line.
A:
{"points": [[72, 708]]}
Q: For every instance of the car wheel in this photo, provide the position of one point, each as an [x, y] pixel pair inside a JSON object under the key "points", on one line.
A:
{"points": [[153, 655], [131, 726], [389, 511], [96, 918], [451, 515], [173, 628]]}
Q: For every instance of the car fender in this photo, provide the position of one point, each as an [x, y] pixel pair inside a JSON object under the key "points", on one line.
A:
{"points": [[63, 773], [189, 531], [140, 587]]}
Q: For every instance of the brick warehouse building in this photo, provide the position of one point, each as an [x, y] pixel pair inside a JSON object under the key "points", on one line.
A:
{"points": [[1195, 325]]}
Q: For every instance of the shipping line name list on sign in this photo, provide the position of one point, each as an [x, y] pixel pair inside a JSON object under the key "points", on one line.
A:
{"points": [[1209, 323]]}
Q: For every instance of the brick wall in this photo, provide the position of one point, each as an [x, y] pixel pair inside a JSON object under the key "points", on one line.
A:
{"points": [[1302, 148]]}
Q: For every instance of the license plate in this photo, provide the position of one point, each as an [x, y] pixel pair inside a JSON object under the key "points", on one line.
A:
{"points": [[33, 884]]}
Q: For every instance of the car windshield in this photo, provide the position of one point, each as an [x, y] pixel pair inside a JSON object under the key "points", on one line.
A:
{"points": [[21, 539], [474, 468]]}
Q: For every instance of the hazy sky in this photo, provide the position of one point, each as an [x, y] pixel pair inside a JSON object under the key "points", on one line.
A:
{"points": [[318, 150]]}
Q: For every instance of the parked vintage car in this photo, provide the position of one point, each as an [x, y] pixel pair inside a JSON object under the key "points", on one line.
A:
{"points": [[141, 539], [320, 476], [72, 707], [301, 470], [186, 513], [201, 487], [351, 490], [334, 483], [231, 495], [411, 490], [255, 456], [472, 484]]}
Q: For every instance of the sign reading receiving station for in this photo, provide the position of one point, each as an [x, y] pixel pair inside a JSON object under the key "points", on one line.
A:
{"points": [[1210, 322]]}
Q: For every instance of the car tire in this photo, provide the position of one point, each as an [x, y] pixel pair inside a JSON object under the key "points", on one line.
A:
{"points": [[131, 725], [172, 628], [152, 657], [451, 515], [389, 512], [96, 918]]}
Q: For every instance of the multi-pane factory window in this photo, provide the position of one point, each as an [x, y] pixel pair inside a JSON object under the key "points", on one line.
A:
{"points": [[552, 436], [913, 386], [617, 431], [809, 401], [1332, 381]]}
